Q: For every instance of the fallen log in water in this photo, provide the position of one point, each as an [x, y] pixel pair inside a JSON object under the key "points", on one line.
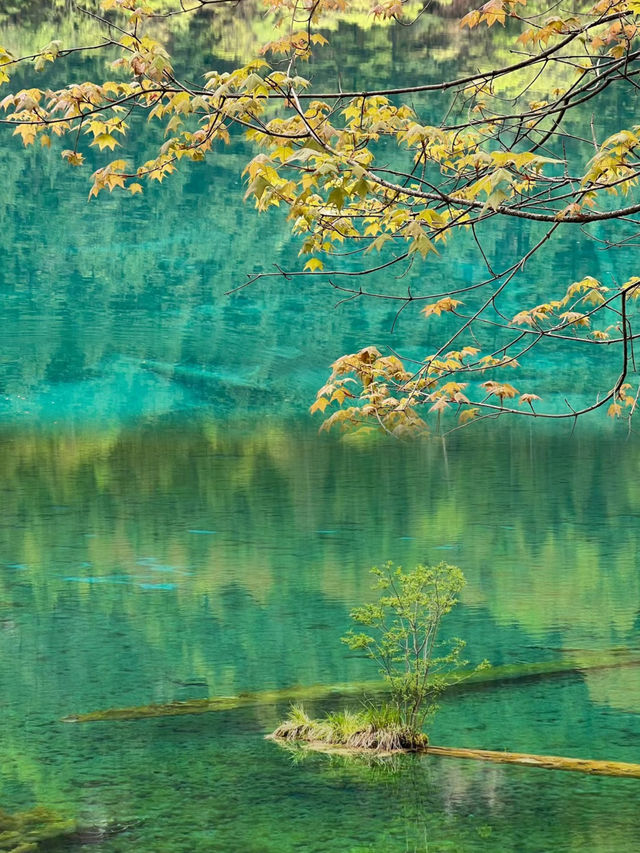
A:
{"points": [[545, 762], [523, 759], [313, 693], [323, 692]]}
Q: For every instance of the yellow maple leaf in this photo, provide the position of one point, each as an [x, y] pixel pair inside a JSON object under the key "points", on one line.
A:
{"points": [[528, 398], [320, 405], [499, 389], [468, 415], [614, 410], [105, 140], [440, 405], [314, 264]]}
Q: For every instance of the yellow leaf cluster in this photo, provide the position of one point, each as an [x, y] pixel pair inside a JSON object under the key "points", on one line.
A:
{"points": [[73, 158], [109, 177], [502, 390], [494, 11], [623, 399], [446, 304], [535, 316], [528, 398], [467, 415], [574, 318]]}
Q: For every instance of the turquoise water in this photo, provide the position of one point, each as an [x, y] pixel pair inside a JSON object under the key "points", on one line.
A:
{"points": [[179, 560], [173, 527]]}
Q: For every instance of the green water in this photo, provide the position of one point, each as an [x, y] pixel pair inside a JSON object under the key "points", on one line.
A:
{"points": [[181, 560], [172, 527]]}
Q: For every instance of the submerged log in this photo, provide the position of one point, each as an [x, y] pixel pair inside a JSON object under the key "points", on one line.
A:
{"points": [[543, 762], [316, 692], [321, 692], [143, 712]]}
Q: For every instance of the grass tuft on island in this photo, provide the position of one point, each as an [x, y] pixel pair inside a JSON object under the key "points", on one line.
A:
{"points": [[371, 730]]}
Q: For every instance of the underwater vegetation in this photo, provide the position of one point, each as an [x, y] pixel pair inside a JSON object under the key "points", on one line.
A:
{"points": [[24, 832]]}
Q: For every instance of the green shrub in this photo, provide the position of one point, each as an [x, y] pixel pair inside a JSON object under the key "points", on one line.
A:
{"points": [[404, 625], [402, 637]]}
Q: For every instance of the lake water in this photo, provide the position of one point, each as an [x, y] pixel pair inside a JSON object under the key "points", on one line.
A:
{"points": [[173, 527]]}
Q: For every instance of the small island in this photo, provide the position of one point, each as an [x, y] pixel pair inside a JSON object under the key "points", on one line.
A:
{"points": [[404, 624], [369, 730]]}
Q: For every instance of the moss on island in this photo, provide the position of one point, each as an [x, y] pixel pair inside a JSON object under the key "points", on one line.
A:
{"points": [[372, 729]]}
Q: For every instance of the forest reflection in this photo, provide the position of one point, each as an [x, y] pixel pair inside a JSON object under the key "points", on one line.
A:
{"points": [[249, 523], [182, 559]]}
